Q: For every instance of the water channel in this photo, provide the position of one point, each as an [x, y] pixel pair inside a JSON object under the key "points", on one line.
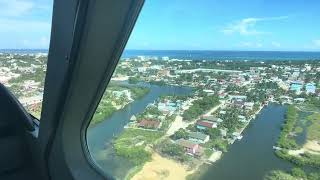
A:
{"points": [[249, 159]]}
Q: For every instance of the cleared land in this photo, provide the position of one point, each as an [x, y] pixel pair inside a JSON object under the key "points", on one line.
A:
{"points": [[162, 168]]}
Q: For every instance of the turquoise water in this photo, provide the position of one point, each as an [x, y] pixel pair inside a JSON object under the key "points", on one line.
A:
{"points": [[208, 55], [225, 55]]}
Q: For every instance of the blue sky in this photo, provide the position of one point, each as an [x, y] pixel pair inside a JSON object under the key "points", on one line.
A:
{"points": [[290, 25]]}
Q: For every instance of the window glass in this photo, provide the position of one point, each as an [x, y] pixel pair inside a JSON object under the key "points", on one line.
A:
{"points": [[214, 90], [25, 33]]}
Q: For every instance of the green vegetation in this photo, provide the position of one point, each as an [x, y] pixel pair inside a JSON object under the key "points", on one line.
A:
{"points": [[313, 131], [213, 133], [105, 108], [199, 107], [218, 143], [285, 141], [172, 150], [166, 122], [103, 111], [199, 173], [132, 143], [181, 133], [231, 120], [294, 174], [305, 159], [297, 172], [139, 92], [133, 80], [149, 111], [279, 175]]}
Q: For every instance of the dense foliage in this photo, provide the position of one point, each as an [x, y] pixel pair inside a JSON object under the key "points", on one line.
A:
{"points": [[199, 107], [285, 141], [131, 144]]}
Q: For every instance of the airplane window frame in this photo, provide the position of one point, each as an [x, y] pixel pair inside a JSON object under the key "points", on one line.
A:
{"points": [[99, 31]]}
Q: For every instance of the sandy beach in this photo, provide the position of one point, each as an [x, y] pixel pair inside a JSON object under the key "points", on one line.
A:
{"points": [[312, 146], [162, 168], [215, 156]]}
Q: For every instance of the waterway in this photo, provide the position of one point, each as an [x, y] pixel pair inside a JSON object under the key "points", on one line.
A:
{"points": [[253, 156], [250, 159], [100, 136]]}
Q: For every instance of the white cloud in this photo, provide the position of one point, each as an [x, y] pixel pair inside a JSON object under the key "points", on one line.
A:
{"points": [[247, 26], [275, 44], [15, 7], [250, 44]]}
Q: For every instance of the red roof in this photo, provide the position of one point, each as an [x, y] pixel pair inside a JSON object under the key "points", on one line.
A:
{"points": [[149, 124], [205, 123], [186, 143]]}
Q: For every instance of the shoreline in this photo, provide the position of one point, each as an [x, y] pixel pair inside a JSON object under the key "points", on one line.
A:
{"points": [[218, 154], [152, 168], [163, 167]]}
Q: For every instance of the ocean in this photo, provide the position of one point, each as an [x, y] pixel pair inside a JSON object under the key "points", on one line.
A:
{"points": [[225, 55], [203, 55]]}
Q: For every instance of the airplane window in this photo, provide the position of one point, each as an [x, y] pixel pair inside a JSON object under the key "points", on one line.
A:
{"points": [[25, 33], [214, 90]]}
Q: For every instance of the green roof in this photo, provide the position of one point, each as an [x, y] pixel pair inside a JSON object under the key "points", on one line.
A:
{"points": [[198, 135]]}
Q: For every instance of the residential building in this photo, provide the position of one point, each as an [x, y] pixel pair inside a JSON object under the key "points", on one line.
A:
{"points": [[296, 86], [198, 137], [189, 146], [310, 88], [149, 124], [202, 125]]}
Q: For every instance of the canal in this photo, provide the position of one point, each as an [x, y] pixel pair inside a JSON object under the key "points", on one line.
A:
{"points": [[100, 136], [250, 159], [253, 156]]}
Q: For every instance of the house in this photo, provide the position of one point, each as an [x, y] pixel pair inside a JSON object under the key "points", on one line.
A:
{"points": [[167, 107], [28, 101], [296, 86], [149, 124], [310, 88], [211, 118], [133, 118], [249, 105], [238, 103], [299, 100], [238, 97], [198, 137], [209, 92], [223, 132], [125, 93], [242, 118], [202, 125], [189, 146], [222, 95]]}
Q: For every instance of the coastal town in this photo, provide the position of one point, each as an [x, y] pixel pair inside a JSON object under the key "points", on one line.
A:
{"points": [[226, 97], [196, 128]]}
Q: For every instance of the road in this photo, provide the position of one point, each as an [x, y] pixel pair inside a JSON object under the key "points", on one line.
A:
{"points": [[179, 123]]}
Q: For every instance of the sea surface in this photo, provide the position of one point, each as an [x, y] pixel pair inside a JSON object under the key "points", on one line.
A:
{"points": [[201, 55], [225, 55]]}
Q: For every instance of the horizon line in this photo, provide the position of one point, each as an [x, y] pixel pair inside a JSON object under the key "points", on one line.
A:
{"points": [[316, 51]]}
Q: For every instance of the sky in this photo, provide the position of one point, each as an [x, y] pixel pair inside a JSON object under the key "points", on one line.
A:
{"points": [[277, 25]]}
